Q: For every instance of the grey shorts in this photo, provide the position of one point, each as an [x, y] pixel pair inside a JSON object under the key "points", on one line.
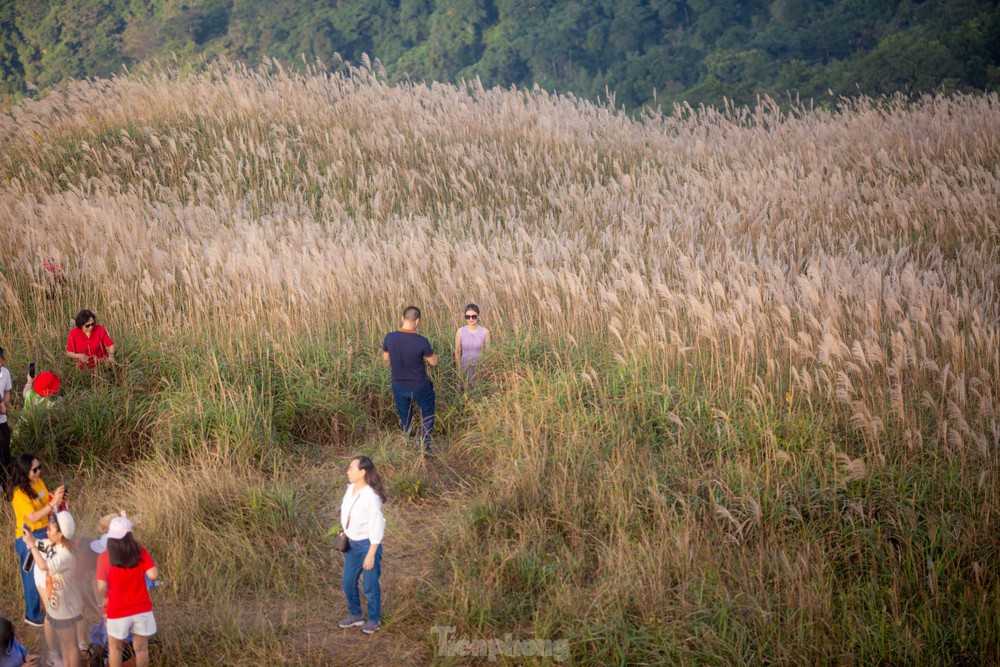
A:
{"points": [[62, 624]]}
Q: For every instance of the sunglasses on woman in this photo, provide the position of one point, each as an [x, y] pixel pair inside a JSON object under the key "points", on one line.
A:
{"points": [[472, 317]]}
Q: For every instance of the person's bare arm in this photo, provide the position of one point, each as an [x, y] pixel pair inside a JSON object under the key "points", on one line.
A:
{"points": [[75, 356], [385, 356], [39, 560], [458, 348], [432, 360], [101, 590], [32, 544], [50, 508]]}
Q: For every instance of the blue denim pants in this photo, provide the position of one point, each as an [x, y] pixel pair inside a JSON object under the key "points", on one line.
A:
{"points": [[424, 398], [33, 610], [354, 561]]}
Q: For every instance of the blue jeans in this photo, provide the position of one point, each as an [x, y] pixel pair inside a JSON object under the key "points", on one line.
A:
{"points": [[424, 398], [33, 610], [354, 561]]}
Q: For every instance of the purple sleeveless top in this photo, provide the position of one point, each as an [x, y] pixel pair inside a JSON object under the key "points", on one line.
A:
{"points": [[472, 345]]}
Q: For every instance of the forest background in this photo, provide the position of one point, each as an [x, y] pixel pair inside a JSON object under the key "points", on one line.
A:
{"points": [[639, 51]]}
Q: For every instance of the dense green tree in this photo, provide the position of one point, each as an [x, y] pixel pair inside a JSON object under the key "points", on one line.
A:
{"points": [[11, 45], [74, 39], [697, 50], [907, 62]]}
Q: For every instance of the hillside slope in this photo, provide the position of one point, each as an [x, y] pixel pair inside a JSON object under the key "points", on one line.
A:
{"points": [[741, 405]]}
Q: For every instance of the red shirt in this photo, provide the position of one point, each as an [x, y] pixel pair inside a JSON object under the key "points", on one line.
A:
{"points": [[95, 347], [127, 592]]}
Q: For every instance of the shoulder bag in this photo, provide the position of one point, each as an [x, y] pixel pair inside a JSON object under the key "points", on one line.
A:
{"points": [[340, 542]]}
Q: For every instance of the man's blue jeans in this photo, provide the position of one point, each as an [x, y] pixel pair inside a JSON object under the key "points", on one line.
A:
{"points": [[33, 610], [424, 398], [354, 561]]}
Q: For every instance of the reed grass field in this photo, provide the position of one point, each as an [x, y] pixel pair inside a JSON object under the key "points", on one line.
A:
{"points": [[741, 405]]}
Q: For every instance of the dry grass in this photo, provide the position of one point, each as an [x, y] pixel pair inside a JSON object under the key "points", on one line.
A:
{"points": [[723, 339]]}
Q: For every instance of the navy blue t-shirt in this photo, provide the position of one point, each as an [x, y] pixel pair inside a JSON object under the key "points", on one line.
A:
{"points": [[406, 358]]}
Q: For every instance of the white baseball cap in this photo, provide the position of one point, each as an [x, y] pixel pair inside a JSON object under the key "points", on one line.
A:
{"points": [[100, 545], [119, 528], [67, 526]]}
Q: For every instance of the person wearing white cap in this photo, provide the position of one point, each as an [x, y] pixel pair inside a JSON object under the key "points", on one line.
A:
{"points": [[100, 545], [63, 600], [121, 586]]}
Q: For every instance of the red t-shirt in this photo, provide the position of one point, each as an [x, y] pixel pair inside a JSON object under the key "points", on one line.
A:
{"points": [[127, 592], [95, 347]]}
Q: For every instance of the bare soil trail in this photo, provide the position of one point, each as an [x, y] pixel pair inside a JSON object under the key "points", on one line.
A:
{"points": [[305, 632]]}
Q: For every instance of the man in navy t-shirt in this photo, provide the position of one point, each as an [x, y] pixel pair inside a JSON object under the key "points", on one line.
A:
{"points": [[408, 353]]}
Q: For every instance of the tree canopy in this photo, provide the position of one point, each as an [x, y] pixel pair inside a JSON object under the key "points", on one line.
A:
{"points": [[642, 51]]}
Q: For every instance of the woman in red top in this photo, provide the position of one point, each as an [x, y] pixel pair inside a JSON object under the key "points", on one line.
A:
{"points": [[122, 587], [88, 343]]}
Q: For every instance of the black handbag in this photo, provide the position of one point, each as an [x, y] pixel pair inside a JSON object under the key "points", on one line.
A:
{"points": [[340, 542]]}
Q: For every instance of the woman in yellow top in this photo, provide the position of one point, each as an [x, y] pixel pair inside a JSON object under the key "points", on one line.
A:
{"points": [[33, 504]]}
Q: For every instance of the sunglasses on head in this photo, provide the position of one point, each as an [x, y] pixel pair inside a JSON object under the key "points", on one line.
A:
{"points": [[472, 317]]}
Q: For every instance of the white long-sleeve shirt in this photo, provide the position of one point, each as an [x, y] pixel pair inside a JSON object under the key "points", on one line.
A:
{"points": [[367, 520]]}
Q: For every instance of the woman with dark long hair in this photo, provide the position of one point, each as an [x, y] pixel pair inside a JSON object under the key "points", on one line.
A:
{"points": [[33, 505], [363, 522], [122, 588], [12, 653]]}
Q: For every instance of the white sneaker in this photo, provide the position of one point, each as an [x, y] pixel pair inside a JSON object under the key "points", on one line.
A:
{"points": [[54, 660]]}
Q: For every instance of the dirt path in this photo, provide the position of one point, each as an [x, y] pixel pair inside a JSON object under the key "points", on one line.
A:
{"points": [[306, 633]]}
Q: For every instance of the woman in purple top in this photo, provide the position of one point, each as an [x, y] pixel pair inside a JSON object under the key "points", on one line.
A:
{"points": [[470, 342], [12, 654]]}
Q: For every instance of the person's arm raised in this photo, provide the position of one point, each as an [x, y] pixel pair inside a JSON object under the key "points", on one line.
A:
{"points": [[46, 510]]}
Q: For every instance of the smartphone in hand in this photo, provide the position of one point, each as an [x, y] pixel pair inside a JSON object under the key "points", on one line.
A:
{"points": [[31, 370]]}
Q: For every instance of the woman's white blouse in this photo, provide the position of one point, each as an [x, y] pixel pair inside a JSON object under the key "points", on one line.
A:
{"points": [[367, 521]]}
